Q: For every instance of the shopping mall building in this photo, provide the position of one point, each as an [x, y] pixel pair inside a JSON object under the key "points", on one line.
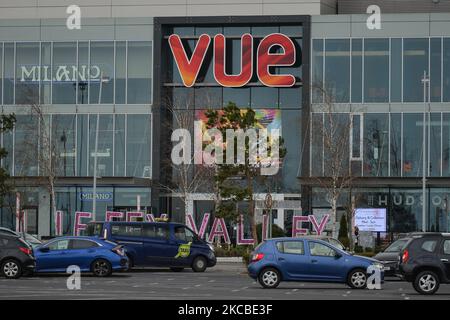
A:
{"points": [[119, 69]]}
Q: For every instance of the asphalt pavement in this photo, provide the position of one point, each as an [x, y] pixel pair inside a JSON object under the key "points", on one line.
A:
{"points": [[225, 281]]}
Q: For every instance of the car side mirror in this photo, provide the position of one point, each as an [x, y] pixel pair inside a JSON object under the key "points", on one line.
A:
{"points": [[337, 255], [44, 249]]}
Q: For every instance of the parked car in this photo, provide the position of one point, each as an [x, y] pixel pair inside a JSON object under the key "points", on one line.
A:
{"points": [[16, 256], [308, 260], [90, 254], [389, 256], [330, 240], [32, 240], [425, 261], [158, 244]]}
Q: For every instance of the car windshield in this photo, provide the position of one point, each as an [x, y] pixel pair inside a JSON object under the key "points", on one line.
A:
{"points": [[31, 239], [94, 229], [396, 246], [336, 243]]}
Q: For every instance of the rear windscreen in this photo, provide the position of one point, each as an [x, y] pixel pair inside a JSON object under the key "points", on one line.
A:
{"points": [[94, 229]]}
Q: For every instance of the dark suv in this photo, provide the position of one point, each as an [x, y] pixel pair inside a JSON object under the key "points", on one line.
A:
{"points": [[16, 257], [425, 261]]}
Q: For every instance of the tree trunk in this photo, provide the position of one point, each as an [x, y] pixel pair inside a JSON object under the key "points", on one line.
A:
{"points": [[251, 210], [334, 233], [52, 197]]}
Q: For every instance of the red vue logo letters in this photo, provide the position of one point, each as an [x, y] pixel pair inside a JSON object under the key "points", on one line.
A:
{"points": [[189, 67]]}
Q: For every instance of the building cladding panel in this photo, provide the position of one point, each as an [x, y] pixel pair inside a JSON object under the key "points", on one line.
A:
{"points": [[48, 9], [393, 6]]}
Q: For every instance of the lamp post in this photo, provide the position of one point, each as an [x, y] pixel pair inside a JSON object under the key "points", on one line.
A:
{"points": [[94, 185], [425, 82]]}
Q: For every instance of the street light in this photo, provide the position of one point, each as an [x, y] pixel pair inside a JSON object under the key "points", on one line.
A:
{"points": [[94, 186], [425, 82]]}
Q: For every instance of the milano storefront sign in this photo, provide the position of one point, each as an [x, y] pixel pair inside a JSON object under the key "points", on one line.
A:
{"points": [[61, 73], [266, 57]]}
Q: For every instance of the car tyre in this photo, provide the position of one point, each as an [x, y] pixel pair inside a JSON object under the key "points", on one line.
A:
{"points": [[199, 264], [130, 263], [269, 278], [11, 269], [426, 283], [101, 268], [176, 269], [357, 279]]}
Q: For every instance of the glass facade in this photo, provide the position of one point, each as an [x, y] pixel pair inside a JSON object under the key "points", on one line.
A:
{"points": [[391, 144], [275, 107], [380, 70], [77, 72], [124, 145], [404, 206]]}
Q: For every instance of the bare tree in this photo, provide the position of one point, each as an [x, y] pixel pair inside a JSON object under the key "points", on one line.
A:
{"points": [[39, 150], [337, 177], [186, 178]]}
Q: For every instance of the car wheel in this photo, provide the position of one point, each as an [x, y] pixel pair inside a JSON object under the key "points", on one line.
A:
{"points": [[11, 269], [130, 263], [199, 264], [357, 279], [269, 278], [426, 282], [101, 268], [176, 269]]}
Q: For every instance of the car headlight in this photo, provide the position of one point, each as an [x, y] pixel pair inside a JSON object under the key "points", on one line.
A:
{"points": [[378, 265], [211, 247]]}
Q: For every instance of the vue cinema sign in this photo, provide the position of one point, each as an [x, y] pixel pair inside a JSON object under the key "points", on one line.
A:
{"points": [[189, 67]]}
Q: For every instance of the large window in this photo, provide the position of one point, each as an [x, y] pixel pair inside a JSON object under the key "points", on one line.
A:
{"points": [[412, 146], [396, 69], [138, 146], [139, 72], [26, 146], [387, 144], [27, 73], [317, 70], [381, 69], [337, 69], [415, 61], [376, 144], [104, 145], [356, 70], [376, 70], [64, 141], [124, 143], [64, 79], [446, 70], [101, 73], [82, 72]]}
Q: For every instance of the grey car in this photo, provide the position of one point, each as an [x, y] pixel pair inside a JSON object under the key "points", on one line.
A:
{"points": [[33, 241], [389, 257]]}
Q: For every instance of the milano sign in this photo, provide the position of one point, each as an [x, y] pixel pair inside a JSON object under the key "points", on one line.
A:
{"points": [[189, 67]]}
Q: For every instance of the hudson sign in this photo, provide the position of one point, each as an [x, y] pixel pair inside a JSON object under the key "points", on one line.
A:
{"points": [[189, 67]]}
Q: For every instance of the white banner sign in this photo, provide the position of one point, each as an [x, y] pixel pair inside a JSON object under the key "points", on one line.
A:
{"points": [[371, 219]]}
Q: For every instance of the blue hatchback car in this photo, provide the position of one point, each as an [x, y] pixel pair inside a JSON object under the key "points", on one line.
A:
{"points": [[308, 260], [90, 254], [157, 244]]}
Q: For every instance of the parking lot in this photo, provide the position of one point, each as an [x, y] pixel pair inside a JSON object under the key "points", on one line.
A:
{"points": [[221, 282]]}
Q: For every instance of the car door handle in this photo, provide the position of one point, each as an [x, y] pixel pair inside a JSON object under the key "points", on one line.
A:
{"points": [[314, 261], [281, 259], [444, 260]]}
